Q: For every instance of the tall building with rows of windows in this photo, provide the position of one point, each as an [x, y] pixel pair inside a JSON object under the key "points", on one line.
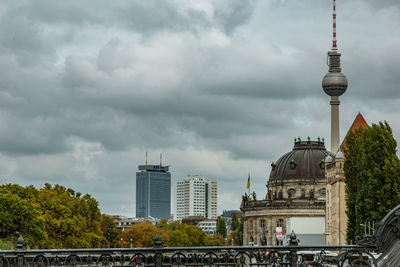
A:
{"points": [[153, 192], [196, 196]]}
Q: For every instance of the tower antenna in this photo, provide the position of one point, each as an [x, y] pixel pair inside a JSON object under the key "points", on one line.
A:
{"points": [[334, 42], [146, 157], [160, 159]]}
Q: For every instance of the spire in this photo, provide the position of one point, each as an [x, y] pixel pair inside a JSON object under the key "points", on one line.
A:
{"points": [[334, 42]]}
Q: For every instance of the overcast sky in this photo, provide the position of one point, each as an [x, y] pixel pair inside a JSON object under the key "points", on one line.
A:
{"points": [[220, 87]]}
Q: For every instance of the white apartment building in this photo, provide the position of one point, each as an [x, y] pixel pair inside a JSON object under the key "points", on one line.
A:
{"points": [[196, 196]]}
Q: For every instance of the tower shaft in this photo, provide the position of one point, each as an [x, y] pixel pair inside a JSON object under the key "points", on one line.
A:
{"points": [[335, 131]]}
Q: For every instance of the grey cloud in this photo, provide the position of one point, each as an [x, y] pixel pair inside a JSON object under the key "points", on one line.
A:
{"points": [[221, 91]]}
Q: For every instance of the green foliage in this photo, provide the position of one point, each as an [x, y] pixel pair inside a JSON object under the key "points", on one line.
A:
{"points": [[110, 232], [20, 214], [173, 234], [221, 227], [50, 217], [372, 171], [234, 222], [8, 243], [240, 233], [142, 235]]}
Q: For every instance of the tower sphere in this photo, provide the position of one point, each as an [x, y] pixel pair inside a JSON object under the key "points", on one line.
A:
{"points": [[334, 83]]}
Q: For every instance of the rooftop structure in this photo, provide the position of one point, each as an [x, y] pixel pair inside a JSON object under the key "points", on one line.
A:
{"points": [[304, 162]]}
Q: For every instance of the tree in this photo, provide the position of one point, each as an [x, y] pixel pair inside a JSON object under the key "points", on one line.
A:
{"points": [[221, 227], [50, 217], [20, 216], [234, 222], [71, 221], [110, 232], [240, 232], [372, 171], [143, 234]]}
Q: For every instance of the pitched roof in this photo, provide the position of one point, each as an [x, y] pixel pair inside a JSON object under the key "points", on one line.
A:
{"points": [[359, 122]]}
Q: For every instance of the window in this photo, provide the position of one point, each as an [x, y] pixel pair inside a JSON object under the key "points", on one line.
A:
{"points": [[279, 223], [251, 224], [262, 224], [291, 192], [322, 191]]}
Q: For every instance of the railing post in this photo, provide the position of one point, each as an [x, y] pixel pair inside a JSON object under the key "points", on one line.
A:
{"points": [[20, 248], [158, 257], [293, 243]]}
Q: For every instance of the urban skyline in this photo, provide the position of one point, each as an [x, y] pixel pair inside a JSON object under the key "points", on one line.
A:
{"points": [[220, 87]]}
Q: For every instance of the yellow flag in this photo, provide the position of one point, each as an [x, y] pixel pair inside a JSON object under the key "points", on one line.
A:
{"points": [[248, 182]]}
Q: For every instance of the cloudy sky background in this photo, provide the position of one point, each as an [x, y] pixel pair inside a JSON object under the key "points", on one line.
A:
{"points": [[220, 87]]}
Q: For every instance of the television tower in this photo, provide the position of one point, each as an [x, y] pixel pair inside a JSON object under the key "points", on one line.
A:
{"points": [[334, 85]]}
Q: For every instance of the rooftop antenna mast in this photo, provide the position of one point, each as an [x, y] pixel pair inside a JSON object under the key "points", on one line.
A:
{"points": [[334, 42], [160, 159], [146, 157]]}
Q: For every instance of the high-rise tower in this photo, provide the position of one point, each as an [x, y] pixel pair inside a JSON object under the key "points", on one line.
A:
{"points": [[334, 85], [196, 196], [153, 192]]}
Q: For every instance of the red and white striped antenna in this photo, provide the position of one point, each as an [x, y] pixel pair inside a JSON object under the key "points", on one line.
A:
{"points": [[334, 42]]}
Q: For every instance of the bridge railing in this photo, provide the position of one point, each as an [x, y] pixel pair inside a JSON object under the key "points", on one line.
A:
{"points": [[158, 256], [380, 249]]}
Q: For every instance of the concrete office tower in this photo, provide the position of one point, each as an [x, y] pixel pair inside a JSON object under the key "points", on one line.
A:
{"points": [[196, 196], [153, 192], [334, 85]]}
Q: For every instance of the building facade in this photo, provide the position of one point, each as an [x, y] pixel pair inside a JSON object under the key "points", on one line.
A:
{"points": [[123, 222], [208, 226], [153, 192], [196, 196]]}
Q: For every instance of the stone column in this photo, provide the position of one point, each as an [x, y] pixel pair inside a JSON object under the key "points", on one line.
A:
{"points": [[245, 231], [270, 232]]}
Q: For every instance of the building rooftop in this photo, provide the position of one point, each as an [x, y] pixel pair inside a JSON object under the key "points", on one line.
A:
{"points": [[304, 162], [153, 168]]}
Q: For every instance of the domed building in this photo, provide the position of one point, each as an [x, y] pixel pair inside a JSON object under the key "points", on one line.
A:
{"points": [[296, 190]]}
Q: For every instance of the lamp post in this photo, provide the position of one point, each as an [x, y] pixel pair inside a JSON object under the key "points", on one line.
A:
{"points": [[122, 240]]}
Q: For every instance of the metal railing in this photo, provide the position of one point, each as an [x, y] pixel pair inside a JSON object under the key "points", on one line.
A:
{"points": [[157, 256], [380, 249]]}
